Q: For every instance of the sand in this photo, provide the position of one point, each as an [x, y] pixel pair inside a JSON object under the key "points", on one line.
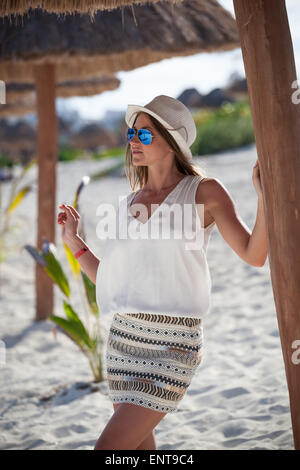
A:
{"points": [[238, 398]]}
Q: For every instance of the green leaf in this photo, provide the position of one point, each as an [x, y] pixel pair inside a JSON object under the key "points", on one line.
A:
{"points": [[36, 254], [84, 182], [90, 291], [48, 260], [27, 167], [18, 198], [75, 266], [74, 318], [71, 329], [54, 269]]}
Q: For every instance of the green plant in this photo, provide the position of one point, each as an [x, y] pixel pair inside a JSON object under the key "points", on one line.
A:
{"points": [[230, 126], [112, 152], [66, 154], [86, 337], [6, 161]]}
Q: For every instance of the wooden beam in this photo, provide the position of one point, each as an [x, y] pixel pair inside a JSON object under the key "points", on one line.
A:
{"points": [[47, 158], [270, 71]]}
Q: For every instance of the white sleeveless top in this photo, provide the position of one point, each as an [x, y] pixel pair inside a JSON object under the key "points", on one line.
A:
{"points": [[157, 275]]}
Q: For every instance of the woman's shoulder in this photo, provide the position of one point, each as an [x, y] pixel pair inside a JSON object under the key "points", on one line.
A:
{"points": [[208, 188], [209, 181]]}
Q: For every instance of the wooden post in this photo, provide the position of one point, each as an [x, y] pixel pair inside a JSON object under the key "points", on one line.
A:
{"points": [[47, 157], [270, 71]]}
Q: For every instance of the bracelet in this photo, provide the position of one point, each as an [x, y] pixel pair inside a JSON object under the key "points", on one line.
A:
{"points": [[81, 251]]}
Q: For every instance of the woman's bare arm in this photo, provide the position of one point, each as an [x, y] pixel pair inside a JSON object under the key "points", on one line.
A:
{"points": [[250, 247], [88, 261]]}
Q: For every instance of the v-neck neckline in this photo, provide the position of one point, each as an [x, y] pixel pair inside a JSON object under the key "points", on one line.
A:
{"points": [[163, 202]]}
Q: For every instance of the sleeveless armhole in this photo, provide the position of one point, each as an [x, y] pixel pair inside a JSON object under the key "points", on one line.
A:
{"points": [[198, 180]]}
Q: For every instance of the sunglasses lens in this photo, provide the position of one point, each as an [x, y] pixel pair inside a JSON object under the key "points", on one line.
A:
{"points": [[145, 136], [130, 134]]}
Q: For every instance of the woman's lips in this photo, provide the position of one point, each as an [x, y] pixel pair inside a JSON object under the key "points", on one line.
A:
{"points": [[134, 152]]}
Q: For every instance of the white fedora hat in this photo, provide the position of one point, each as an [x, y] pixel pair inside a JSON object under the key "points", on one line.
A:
{"points": [[171, 113]]}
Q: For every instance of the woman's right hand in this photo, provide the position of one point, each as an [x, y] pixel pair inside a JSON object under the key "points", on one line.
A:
{"points": [[69, 219]]}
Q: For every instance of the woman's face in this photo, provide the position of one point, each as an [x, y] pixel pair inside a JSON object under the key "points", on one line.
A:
{"points": [[145, 155]]}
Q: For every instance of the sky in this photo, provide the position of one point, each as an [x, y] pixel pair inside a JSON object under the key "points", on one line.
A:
{"points": [[204, 71]]}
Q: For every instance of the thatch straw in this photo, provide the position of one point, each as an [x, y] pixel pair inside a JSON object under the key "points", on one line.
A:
{"points": [[194, 26], [21, 98], [13, 7], [18, 107], [92, 86], [22, 72], [91, 136], [17, 91]]}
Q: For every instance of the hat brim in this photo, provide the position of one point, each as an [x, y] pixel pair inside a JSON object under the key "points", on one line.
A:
{"points": [[133, 109]]}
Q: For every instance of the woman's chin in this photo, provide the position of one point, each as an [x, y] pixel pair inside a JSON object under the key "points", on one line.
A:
{"points": [[137, 157]]}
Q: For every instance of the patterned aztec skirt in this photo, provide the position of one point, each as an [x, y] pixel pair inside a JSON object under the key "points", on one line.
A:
{"points": [[151, 359]]}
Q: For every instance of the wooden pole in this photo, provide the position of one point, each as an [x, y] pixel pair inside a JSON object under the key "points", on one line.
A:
{"points": [[270, 71], [47, 157]]}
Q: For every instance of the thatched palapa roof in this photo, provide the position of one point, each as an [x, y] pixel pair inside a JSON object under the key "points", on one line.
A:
{"points": [[190, 98], [21, 99], [92, 136], [18, 107], [216, 98], [89, 87], [190, 27], [22, 72], [17, 91], [10, 7]]}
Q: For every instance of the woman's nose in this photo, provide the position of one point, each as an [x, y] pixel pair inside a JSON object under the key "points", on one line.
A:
{"points": [[135, 138]]}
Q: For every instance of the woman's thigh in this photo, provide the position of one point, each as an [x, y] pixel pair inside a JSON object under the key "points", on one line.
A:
{"points": [[128, 427], [149, 442]]}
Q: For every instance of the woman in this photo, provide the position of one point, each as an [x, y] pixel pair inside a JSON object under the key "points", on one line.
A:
{"points": [[158, 290]]}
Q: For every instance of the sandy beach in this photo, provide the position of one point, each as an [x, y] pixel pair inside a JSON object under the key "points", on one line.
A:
{"points": [[238, 398]]}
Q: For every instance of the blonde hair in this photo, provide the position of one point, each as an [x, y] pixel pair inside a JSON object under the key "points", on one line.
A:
{"points": [[138, 175]]}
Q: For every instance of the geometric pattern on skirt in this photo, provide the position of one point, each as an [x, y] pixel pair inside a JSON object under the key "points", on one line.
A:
{"points": [[151, 359]]}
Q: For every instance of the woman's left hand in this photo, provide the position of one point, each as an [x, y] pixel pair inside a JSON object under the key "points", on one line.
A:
{"points": [[256, 179]]}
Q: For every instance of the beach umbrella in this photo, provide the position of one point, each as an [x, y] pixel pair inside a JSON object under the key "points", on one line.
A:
{"points": [[88, 87], [274, 97], [114, 42], [215, 99], [16, 92], [18, 106], [66, 89], [190, 98], [17, 137], [22, 71], [21, 97], [75, 41], [13, 7]]}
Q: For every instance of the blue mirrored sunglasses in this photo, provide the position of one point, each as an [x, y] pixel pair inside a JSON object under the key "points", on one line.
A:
{"points": [[144, 135]]}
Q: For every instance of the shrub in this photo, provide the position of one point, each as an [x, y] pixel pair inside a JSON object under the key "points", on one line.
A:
{"points": [[228, 127], [113, 152], [6, 161], [66, 154]]}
